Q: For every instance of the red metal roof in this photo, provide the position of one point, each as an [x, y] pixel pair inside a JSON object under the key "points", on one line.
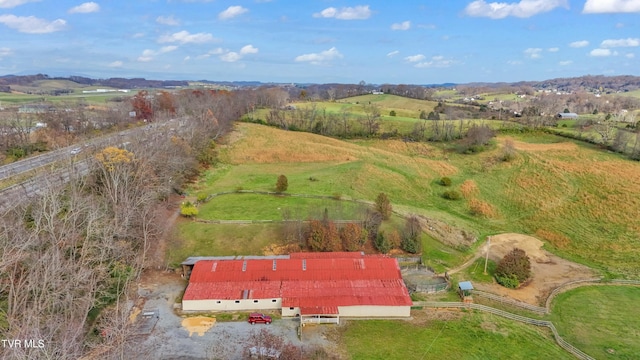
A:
{"points": [[309, 280]]}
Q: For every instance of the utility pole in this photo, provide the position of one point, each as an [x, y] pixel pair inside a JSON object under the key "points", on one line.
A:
{"points": [[486, 259]]}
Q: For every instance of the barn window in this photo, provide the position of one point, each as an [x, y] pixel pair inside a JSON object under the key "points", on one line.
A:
{"points": [[218, 302], [237, 301], [274, 300], [255, 301], [290, 308]]}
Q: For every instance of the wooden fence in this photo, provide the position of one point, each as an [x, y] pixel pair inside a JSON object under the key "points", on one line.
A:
{"points": [[561, 342]]}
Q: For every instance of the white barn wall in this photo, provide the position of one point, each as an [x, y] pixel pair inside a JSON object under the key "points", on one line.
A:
{"points": [[290, 312], [232, 305]]}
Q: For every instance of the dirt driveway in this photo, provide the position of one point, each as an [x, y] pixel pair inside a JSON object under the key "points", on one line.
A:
{"points": [[549, 271], [174, 338]]}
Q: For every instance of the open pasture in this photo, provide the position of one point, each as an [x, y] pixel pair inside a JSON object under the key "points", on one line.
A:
{"points": [[583, 202]]}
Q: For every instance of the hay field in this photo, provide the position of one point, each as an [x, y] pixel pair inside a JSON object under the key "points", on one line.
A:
{"points": [[583, 202]]}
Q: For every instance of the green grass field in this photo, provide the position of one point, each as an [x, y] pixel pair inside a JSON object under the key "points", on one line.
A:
{"points": [[273, 207], [603, 321], [467, 336], [580, 200]]}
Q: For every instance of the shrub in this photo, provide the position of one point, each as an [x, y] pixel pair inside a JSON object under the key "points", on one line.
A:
{"points": [[282, 184], [382, 244], [188, 209], [202, 197], [392, 113], [513, 269], [451, 195], [445, 181], [508, 281]]}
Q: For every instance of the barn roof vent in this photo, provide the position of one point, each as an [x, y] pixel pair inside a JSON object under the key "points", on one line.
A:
{"points": [[304, 264], [244, 265], [214, 266], [274, 264]]}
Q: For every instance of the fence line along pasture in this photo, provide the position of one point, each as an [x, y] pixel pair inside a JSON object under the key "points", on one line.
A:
{"points": [[559, 340], [504, 300]]}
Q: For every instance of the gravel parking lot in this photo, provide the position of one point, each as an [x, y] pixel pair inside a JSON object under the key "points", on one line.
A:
{"points": [[224, 340]]}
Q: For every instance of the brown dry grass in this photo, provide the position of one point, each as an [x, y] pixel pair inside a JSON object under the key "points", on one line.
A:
{"points": [[469, 189], [558, 240], [563, 146], [482, 208]]}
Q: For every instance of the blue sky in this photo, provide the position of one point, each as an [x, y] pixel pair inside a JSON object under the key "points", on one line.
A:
{"points": [[322, 41]]}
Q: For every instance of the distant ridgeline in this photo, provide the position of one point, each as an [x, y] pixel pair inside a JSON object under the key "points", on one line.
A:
{"points": [[120, 83]]}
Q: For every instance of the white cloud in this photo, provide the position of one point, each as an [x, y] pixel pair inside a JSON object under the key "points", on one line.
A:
{"points": [[231, 12], [32, 24], [13, 3], [405, 25], [437, 61], [167, 20], [522, 9], [579, 44], [148, 54], [85, 8], [533, 53], [393, 53], [630, 56], [415, 58], [360, 12], [166, 49], [514, 62], [4, 51], [553, 49], [137, 35], [321, 57], [184, 37], [231, 57], [115, 64], [620, 43], [611, 6], [602, 52], [248, 49], [565, 63]]}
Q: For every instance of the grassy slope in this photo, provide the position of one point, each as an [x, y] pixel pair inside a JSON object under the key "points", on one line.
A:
{"points": [[599, 318], [474, 336], [583, 201]]}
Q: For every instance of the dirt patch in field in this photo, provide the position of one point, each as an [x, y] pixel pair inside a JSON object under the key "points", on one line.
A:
{"points": [[549, 271], [198, 324]]}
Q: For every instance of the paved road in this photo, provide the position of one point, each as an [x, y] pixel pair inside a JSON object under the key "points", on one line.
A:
{"points": [[71, 161]]}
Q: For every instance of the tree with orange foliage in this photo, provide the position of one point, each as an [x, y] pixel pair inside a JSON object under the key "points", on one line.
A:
{"points": [[165, 102], [142, 106], [352, 237]]}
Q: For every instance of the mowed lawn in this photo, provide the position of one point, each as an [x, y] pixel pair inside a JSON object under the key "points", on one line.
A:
{"points": [[603, 321], [468, 336], [584, 202]]}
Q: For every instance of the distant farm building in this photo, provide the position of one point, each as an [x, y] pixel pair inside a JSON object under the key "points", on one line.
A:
{"points": [[36, 109], [309, 285], [566, 116]]}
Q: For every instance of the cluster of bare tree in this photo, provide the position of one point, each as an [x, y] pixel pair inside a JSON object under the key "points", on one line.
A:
{"points": [[68, 257]]}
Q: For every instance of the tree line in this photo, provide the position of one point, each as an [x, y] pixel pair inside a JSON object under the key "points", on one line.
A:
{"points": [[69, 257]]}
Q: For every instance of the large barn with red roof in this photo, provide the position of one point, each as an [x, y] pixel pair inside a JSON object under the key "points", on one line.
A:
{"points": [[349, 284]]}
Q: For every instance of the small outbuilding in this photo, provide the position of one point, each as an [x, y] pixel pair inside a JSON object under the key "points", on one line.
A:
{"points": [[464, 289], [567, 116]]}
